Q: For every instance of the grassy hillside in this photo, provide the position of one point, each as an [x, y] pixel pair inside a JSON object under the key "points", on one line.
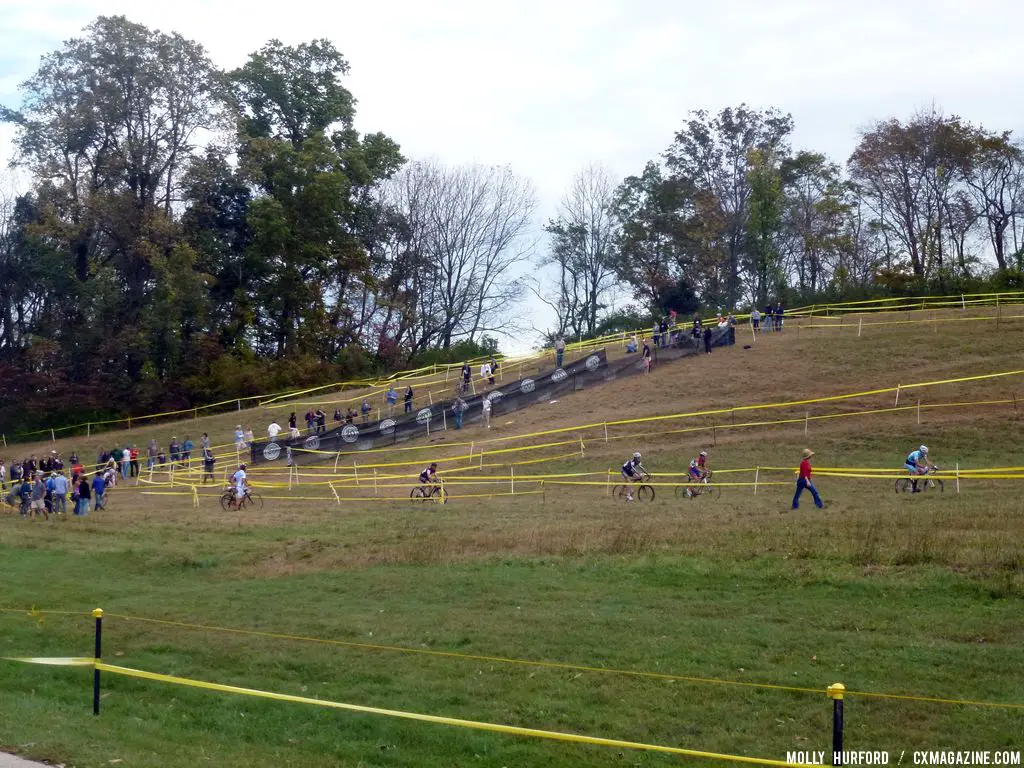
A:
{"points": [[911, 595]]}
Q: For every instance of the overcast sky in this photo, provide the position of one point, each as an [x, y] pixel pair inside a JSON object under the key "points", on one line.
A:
{"points": [[549, 87]]}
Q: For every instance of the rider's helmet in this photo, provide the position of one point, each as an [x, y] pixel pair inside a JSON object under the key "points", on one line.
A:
{"points": [[433, 465], [636, 455], [923, 449], [704, 454], [241, 466]]}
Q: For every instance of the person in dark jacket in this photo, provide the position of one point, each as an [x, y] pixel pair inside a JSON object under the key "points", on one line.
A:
{"points": [[408, 398], [707, 340]]}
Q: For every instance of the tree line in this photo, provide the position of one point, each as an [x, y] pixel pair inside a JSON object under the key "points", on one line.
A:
{"points": [[194, 234]]}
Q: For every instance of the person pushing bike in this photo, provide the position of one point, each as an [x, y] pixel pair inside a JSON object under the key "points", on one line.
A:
{"points": [[239, 484], [918, 463]]}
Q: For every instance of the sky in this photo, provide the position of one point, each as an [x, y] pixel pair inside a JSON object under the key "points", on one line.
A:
{"points": [[551, 87]]}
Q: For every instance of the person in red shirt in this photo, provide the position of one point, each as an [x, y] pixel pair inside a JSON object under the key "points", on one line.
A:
{"points": [[804, 481]]}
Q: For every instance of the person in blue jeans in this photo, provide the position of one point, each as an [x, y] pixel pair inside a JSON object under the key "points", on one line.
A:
{"points": [[99, 488], [803, 481]]}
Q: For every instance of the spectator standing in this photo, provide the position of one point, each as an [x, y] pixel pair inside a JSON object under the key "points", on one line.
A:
{"points": [[273, 430], [239, 437], [769, 317], [292, 424], [559, 351], [664, 332], [208, 464], [83, 496], [151, 453], [697, 330], [494, 369], [126, 462], [487, 412], [459, 408], [803, 481], [732, 328], [350, 415], [38, 505], [321, 420], [3, 476], [310, 422], [467, 374], [656, 333], [485, 373], [337, 416], [707, 340], [408, 398], [391, 398], [366, 408], [204, 441], [99, 489], [779, 311], [755, 319], [134, 459], [646, 357], [186, 449], [174, 449], [60, 493]]}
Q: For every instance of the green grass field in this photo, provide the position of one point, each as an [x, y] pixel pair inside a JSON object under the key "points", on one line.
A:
{"points": [[917, 595]]}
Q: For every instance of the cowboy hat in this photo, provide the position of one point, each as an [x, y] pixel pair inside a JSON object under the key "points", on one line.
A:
{"points": [[807, 453]]}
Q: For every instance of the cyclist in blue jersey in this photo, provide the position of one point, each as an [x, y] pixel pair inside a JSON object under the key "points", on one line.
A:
{"points": [[429, 475], [918, 463], [633, 471], [698, 471]]}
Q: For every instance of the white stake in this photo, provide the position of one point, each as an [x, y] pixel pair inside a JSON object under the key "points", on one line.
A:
{"points": [[52, 438], [757, 473], [375, 482], [512, 477], [919, 410], [608, 483], [807, 417], [898, 386], [581, 447], [195, 498], [963, 303], [471, 451], [336, 497], [88, 430], [860, 325], [355, 468], [606, 431], [958, 477]]}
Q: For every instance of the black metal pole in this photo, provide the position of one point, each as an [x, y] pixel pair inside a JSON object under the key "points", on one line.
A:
{"points": [[835, 692], [98, 615]]}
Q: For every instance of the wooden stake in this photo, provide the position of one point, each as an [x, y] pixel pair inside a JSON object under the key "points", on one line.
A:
{"points": [[512, 476], [355, 469], [757, 473], [807, 418], [919, 410], [958, 477], [375, 482], [606, 431], [860, 325], [898, 386]]}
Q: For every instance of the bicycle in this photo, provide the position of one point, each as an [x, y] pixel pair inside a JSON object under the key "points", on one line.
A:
{"points": [[700, 488], [924, 482], [227, 500], [435, 492], [643, 492]]}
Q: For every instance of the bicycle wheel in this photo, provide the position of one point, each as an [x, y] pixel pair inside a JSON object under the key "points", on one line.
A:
{"points": [[645, 493], [440, 495], [225, 500], [932, 484], [254, 500], [681, 492], [620, 491], [416, 494], [904, 485], [713, 491]]}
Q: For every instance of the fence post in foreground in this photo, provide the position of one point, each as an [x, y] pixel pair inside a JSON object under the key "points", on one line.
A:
{"points": [[898, 387], [835, 692], [88, 430], [53, 439], [512, 478], [606, 431], [963, 303], [5, 437], [860, 325], [97, 614], [807, 418], [757, 473], [239, 405], [355, 469], [958, 477], [714, 435], [919, 410], [375, 482], [608, 483]]}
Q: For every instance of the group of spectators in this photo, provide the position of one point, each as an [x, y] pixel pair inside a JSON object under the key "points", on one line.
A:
{"points": [[41, 487], [773, 317]]}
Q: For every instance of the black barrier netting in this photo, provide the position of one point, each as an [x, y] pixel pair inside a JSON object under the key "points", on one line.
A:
{"points": [[584, 373]]}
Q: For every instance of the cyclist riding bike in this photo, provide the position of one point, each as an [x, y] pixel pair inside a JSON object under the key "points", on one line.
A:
{"points": [[918, 463], [429, 477], [239, 484], [633, 471], [698, 471]]}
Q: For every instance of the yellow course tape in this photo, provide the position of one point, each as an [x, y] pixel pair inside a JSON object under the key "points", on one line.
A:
{"points": [[438, 719]]}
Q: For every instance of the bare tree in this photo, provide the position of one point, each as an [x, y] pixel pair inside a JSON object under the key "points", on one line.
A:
{"points": [[583, 252], [466, 233]]}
